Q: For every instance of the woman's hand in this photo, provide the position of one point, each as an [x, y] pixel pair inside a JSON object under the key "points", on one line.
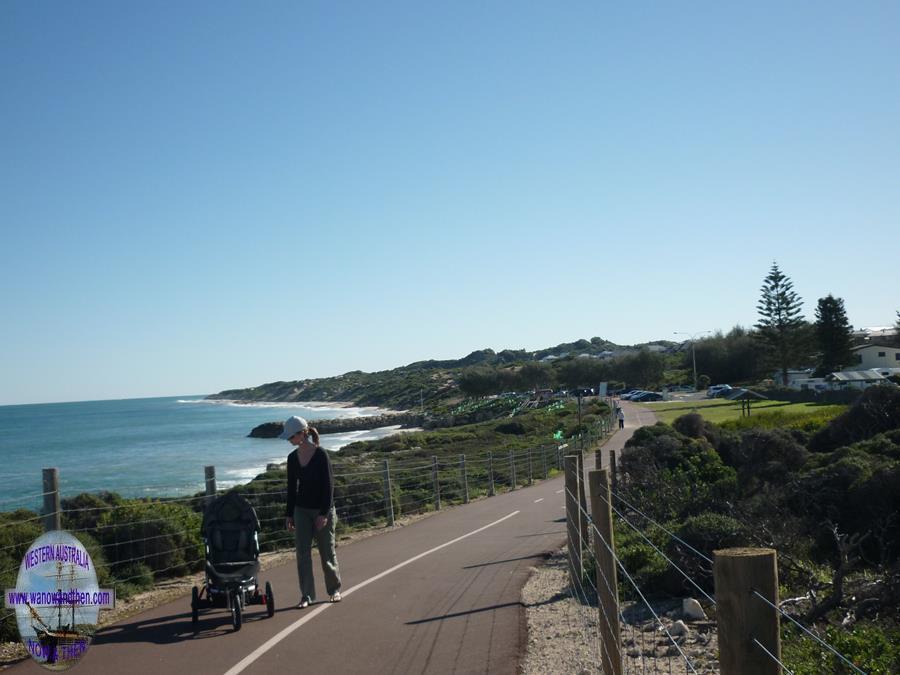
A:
{"points": [[320, 522], [289, 524]]}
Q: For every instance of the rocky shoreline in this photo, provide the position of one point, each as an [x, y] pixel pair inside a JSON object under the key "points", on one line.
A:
{"points": [[340, 425]]}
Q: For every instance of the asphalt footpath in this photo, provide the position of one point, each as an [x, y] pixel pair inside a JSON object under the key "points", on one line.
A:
{"points": [[441, 595]]}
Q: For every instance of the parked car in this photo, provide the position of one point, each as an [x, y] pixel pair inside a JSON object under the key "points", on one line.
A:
{"points": [[718, 390], [632, 395], [646, 396]]}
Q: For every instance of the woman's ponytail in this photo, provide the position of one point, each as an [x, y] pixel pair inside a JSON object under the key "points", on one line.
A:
{"points": [[314, 435]]}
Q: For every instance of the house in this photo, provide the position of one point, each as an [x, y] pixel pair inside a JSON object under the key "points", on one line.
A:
{"points": [[877, 333], [857, 379], [875, 356], [812, 383], [794, 377]]}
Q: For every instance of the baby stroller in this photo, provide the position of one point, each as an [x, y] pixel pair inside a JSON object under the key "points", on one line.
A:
{"points": [[230, 529]]}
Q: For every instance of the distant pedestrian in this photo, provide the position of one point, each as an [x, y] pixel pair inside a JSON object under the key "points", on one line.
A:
{"points": [[310, 509], [621, 417]]}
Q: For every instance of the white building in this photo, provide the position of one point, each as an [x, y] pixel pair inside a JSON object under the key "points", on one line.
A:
{"points": [[869, 357], [857, 379]]}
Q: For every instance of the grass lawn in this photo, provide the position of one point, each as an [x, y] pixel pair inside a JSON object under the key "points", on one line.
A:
{"points": [[718, 410]]}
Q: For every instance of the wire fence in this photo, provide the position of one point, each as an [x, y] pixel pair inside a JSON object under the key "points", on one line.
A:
{"points": [[652, 633], [136, 541]]}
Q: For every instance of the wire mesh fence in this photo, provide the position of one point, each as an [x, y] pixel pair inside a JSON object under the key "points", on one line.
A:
{"points": [[654, 632], [135, 542]]}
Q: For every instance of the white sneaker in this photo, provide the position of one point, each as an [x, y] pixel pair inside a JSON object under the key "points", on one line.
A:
{"points": [[303, 604], [336, 597]]}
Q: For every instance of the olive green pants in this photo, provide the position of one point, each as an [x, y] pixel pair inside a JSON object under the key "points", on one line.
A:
{"points": [[304, 534]]}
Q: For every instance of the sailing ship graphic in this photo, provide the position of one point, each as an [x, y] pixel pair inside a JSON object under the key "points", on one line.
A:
{"points": [[62, 640]]}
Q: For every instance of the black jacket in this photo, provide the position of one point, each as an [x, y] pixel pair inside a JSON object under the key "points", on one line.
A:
{"points": [[310, 486]]}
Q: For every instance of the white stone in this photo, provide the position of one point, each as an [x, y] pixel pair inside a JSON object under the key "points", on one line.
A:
{"points": [[692, 611], [678, 628]]}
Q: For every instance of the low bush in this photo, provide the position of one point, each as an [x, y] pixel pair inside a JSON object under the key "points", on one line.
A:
{"points": [[165, 537], [869, 647], [875, 412], [515, 428], [132, 578]]}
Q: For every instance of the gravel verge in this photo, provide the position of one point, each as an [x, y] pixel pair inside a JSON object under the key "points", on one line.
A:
{"points": [[563, 633]]}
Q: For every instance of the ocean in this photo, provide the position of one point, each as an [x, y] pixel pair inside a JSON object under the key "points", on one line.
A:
{"points": [[146, 447]]}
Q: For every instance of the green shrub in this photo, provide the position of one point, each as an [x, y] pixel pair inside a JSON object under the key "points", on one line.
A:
{"points": [[515, 428], [710, 531], [647, 568], [18, 529], [875, 412], [870, 648], [84, 511], [133, 578], [163, 536]]}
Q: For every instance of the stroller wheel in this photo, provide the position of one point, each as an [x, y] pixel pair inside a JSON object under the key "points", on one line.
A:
{"points": [[195, 605], [270, 601], [236, 614]]}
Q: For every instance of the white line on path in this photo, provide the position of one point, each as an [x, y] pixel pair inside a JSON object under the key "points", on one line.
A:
{"points": [[538, 500], [560, 491], [271, 642]]}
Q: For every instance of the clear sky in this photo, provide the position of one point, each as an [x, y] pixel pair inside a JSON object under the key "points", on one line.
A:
{"points": [[206, 195]]}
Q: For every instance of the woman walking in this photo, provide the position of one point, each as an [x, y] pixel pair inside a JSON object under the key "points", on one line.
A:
{"points": [[310, 508]]}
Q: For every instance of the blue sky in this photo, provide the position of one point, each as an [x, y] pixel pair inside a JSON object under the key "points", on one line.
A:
{"points": [[199, 196]]}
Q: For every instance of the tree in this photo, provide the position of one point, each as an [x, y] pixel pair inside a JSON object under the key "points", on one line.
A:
{"points": [[833, 335], [734, 357], [897, 329], [478, 382], [780, 323], [533, 375]]}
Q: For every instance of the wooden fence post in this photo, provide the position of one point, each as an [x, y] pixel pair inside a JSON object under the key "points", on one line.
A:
{"points": [[544, 461], [490, 474], [209, 474], [742, 617], [51, 516], [512, 470], [598, 459], [464, 478], [613, 474], [388, 498], [573, 521], [530, 467], [607, 589], [582, 501], [437, 483]]}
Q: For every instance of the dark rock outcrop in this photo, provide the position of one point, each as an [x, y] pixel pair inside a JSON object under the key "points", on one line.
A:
{"points": [[345, 424], [267, 430]]}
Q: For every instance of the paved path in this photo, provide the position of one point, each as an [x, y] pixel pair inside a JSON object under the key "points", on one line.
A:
{"points": [[636, 416], [441, 595]]}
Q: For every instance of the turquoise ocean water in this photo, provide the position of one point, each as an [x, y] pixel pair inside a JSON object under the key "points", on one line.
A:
{"points": [[144, 447]]}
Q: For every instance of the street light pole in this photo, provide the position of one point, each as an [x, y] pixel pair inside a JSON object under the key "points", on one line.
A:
{"points": [[693, 351]]}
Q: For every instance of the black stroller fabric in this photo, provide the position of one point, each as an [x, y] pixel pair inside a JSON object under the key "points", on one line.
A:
{"points": [[229, 527]]}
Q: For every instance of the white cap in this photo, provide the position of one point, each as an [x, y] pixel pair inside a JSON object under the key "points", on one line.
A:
{"points": [[292, 425]]}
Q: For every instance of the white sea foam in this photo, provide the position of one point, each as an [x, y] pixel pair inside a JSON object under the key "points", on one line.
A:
{"points": [[337, 409], [246, 474], [335, 442]]}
